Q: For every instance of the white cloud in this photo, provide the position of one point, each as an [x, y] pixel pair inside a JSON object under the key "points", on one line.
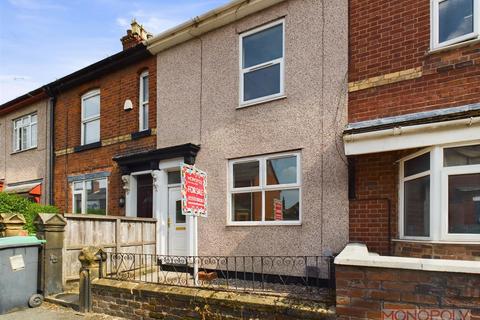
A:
{"points": [[122, 22], [12, 86]]}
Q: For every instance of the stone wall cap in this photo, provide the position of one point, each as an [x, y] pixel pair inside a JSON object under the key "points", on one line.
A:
{"points": [[356, 254], [53, 219], [12, 218]]}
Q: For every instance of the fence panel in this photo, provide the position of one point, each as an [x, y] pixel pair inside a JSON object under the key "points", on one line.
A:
{"points": [[114, 234]]}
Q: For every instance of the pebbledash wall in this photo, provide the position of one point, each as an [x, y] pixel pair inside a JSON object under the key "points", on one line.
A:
{"points": [[116, 127], [393, 71], [32, 165], [198, 102]]}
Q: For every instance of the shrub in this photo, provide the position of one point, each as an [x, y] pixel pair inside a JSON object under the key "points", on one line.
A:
{"points": [[11, 203]]}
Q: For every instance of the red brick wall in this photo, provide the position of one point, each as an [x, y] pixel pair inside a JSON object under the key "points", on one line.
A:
{"points": [[376, 186], [390, 36], [453, 251], [362, 292], [115, 88]]}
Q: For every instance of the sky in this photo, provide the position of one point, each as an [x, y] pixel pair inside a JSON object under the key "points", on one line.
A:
{"points": [[43, 40]]}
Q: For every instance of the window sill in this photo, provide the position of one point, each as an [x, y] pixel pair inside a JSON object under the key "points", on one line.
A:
{"points": [[263, 224], [250, 104], [89, 146], [454, 46], [141, 134], [24, 150], [438, 241]]}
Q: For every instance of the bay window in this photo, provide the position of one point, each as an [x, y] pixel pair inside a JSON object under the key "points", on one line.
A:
{"points": [[25, 133], [454, 21], [262, 63], [265, 190], [447, 210], [90, 196], [91, 117]]}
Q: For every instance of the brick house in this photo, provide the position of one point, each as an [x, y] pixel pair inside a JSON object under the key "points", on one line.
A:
{"points": [[25, 142], [241, 92], [413, 138], [102, 111]]}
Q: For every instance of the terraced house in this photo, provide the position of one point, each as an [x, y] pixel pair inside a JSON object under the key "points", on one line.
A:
{"points": [[25, 144], [413, 135], [104, 110], [255, 90]]}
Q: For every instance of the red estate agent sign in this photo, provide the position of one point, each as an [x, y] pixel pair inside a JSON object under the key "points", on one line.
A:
{"points": [[194, 191]]}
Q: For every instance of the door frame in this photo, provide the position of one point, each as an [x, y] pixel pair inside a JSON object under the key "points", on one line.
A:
{"points": [[160, 204]]}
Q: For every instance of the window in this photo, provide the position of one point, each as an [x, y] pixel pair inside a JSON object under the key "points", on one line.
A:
{"points": [[90, 196], [91, 117], [265, 190], [25, 133], [454, 21], [416, 194], [262, 63], [143, 101], [448, 209]]}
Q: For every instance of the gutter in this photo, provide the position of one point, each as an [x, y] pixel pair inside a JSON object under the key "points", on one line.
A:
{"points": [[397, 131], [216, 18], [415, 136]]}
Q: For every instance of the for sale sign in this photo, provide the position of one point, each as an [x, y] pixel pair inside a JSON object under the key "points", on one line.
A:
{"points": [[194, 191]]}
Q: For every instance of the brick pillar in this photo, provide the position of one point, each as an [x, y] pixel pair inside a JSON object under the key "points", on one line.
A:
{"points": [[11, 224], [51, 227]]}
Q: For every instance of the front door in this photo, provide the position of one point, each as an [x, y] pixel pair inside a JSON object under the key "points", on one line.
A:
{"points": [[177, 224]]}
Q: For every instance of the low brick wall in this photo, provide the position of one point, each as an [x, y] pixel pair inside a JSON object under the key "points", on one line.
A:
{"points": [[150, 301], [437, 250], [362, 292]]}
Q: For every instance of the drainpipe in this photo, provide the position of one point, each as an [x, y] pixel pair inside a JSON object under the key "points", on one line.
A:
{"points": [[51, 104]]}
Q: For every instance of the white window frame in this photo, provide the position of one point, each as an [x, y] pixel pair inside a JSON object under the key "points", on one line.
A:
{"points": [[83, 193], [401, 204], [435, 29], [263, 187], [243, 71], [85, 121], [18, 131], [438, 194], [142, 103]]}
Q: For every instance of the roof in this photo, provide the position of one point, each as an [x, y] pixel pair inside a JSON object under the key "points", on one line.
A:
{"points": [[95, 70], [213, 19], [411, 119], [130, 161]]}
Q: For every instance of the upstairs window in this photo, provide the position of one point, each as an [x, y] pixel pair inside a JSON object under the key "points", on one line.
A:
{"points": [[454, 21], [143, 101], [25, 133], [91, 117], [262, 63]]}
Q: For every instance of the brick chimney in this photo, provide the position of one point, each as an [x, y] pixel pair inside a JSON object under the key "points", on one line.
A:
{"points": [[134, 36]]}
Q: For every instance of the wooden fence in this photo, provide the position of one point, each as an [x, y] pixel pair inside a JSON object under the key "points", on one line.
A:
{"points": [[114, 234]]}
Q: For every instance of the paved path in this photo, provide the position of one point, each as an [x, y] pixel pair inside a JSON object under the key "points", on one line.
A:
{"points": [[48, 311]]}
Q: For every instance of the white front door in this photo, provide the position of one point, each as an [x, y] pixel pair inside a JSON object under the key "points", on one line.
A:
{"points": [[177, 224]]}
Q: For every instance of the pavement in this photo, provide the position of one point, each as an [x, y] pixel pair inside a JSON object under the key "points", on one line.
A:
{"points": [[48, 311]]}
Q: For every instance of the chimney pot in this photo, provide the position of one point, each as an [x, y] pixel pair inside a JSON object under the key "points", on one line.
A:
{"points": [[135, 35]]}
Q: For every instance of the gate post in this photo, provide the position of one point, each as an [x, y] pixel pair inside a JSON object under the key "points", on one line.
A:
{"points": [[92, 259], [51, 227], [11, 224]]}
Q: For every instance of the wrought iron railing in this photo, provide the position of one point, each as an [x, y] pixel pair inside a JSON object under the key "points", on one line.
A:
{"points": [[275, 274]]}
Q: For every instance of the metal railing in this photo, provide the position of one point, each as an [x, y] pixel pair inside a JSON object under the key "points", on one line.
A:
{"points": [[275, 274]]}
